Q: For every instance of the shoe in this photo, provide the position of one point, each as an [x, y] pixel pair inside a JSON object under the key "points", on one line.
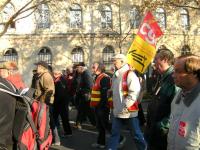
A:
{"points": [[78, 126], [121, 141], [96, 145], [56, 144], [102, 146]]}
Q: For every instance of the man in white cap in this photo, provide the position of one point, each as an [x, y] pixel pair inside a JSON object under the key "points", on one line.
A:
{"points": [[125, 91]]}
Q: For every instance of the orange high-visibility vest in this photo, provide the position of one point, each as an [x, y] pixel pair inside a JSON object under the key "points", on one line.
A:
{"points": [[134, 107], [96, 93]]}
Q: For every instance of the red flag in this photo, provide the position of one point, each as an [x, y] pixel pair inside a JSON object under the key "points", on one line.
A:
{"points": [[149, 29], [143, 48]]}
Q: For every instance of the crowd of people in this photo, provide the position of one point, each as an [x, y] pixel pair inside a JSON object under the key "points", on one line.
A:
{"points": [[173, 114]]}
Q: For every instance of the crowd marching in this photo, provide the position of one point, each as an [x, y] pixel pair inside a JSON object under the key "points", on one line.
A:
{"points": [[173, 114]]}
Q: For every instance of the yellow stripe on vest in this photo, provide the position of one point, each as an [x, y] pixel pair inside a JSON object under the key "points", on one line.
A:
{"points": [[95, 99], [110, 99], [96, 92]]}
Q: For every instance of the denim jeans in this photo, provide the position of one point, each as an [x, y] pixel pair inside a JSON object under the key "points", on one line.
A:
{"points": [[53, 126], [134, 130]]}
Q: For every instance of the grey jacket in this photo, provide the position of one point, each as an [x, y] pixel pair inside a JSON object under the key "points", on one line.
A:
{"points": [[184, 131], [120, 103]]}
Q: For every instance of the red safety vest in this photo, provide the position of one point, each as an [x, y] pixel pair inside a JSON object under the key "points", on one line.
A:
{"points": [[134, 107], [96, 93]]}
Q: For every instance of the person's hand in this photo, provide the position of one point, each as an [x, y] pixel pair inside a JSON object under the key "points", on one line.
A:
{"points": [[70, 77], [125, 111], [109, 93], [163, 126], [87, 96]]}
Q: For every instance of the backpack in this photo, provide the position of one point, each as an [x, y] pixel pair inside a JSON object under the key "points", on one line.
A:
{"points": [[31, 129]]}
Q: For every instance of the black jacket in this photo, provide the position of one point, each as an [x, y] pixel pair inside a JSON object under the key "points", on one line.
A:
{"points": [[86, 82], [61, 92], [7, 113]]}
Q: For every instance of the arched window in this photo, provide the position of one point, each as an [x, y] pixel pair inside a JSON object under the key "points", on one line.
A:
{"points": [[106, 17], [43, 18], [185, 50], [75, 16], [184, 19], [7, 13], [108, 53], [45, 55], [77, 55], [134, 18], [10, 55], [161, 17]]}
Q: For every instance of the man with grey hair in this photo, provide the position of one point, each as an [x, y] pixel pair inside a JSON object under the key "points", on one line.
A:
{"points": [[125, 91]]}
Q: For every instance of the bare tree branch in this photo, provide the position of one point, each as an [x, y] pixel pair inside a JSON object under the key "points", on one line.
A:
{"points": [[5, 27], [127, 34], [19, 12], [32, 5], [26, 15], [3, 3], [35, 6]]}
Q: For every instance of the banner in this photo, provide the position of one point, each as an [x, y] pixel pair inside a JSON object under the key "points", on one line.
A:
{"points": [[143, 48]]}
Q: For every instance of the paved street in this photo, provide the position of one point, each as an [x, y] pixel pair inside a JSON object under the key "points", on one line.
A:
{"points": [[82, 139]]}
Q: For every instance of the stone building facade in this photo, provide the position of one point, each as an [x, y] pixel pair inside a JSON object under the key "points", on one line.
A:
{"points": [[87, 31]]}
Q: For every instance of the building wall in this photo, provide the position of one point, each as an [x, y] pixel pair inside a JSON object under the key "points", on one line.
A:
{"points": [[27, 39]]}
